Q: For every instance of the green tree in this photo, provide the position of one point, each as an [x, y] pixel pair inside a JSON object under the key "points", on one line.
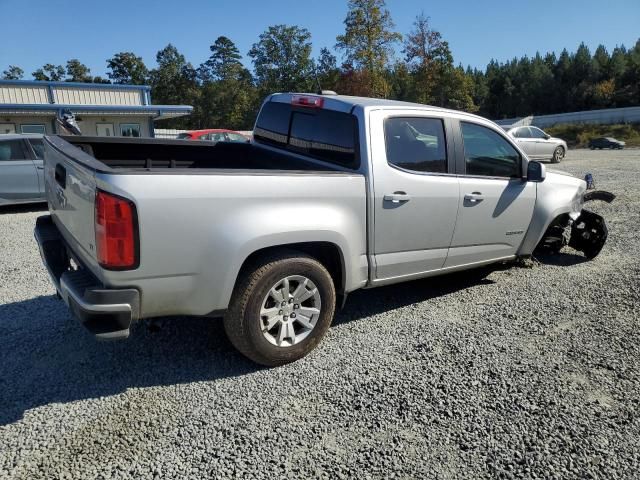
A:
{"points": [[174, 82], [430, 61], [228, 96], [401, 82], [282, 59], [631, 78], [327, 70], [458, 89], [127, 68], [78, 72], [13, 73], [224, 62], [49, 72], [368, 42]]}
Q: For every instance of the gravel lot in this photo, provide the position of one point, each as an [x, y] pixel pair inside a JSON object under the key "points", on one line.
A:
{"points": [[524, 372]]}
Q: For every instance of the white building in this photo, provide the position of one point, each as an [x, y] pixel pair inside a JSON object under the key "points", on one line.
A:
{"points": [[100, 109]]}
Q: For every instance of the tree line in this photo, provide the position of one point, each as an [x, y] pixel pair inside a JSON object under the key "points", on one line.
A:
{"points": [[376, 61]]}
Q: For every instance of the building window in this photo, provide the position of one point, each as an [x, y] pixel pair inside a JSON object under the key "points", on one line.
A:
{"points": [[130, 129], [7, 128], [104, 129], [33, 128]]}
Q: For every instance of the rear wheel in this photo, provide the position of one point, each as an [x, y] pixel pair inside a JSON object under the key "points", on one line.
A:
{"points": [[281, 309], [558, 155]]}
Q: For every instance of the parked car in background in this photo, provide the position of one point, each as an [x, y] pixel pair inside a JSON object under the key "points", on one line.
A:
{"points": [[538, 145], [606, 142], [215, 135], [21, 169]]}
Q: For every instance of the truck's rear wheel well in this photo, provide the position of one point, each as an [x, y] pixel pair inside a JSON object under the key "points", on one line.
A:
{"points": [[328, 254]]}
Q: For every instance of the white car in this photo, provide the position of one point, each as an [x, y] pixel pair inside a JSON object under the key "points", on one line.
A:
{"points": [[538, 145]]}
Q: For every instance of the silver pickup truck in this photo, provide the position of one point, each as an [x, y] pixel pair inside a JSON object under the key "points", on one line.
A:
{"points": [[334, 194]]}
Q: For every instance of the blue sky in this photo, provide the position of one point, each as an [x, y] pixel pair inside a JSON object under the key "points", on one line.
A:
{"points": [[52, 31]]}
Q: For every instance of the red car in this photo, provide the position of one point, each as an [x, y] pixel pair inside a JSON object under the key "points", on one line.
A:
{"points": [[214, 135]]}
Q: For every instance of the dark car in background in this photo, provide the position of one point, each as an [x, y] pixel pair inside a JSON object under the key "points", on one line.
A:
{"points": [[606, 142], [214, 135]]}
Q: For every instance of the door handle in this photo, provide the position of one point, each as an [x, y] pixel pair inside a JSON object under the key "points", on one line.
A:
{"points": [[397, 197], [39, 167], [474, 197]]}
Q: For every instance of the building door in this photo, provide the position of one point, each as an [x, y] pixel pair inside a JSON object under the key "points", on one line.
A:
{"points": [[7, 128], [105, 129]]}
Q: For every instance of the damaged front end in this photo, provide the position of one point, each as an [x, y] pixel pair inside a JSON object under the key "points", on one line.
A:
{"points": [[587, 233]]}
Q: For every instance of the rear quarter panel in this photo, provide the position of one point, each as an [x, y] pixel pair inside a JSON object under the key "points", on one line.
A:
{"points": [[196, 230]]}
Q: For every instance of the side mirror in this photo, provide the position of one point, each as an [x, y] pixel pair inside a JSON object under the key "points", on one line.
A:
{"points": [[547, 136], [536, 172]]}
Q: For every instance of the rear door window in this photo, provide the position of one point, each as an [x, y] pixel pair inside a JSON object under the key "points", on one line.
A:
{"points": [[416, 144], [12, 150], [523, 132], [323, 134]]}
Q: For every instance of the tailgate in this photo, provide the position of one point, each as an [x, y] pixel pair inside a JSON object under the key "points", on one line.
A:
{"points": [[70, 189]]}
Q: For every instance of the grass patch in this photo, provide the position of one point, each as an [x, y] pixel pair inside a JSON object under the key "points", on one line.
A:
{"points": [[578, 136]]}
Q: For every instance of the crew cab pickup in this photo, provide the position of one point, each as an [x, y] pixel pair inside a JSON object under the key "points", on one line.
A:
{"points": [[333, 194]]}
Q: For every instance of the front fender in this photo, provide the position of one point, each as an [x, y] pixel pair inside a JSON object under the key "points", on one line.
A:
{"points": [[559, 194]]}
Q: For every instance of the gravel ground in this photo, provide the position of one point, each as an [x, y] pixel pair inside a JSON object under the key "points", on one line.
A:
{"points": [[524, 372]]}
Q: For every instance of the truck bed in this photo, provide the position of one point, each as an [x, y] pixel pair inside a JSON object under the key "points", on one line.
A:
{"points": [[201, 210], [148, 154]]}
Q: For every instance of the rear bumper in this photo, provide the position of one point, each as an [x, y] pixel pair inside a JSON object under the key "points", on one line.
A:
{"points": [[105, 312]]}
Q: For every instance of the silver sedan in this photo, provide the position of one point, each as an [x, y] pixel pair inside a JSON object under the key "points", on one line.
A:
{"points": [[21, 169], [538, 145]]}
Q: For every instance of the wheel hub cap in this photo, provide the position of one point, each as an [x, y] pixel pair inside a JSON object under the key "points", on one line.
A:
{"points": [[290, 311]]}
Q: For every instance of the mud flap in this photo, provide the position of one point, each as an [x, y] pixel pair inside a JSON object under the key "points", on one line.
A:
{"points": [[588, 234]]}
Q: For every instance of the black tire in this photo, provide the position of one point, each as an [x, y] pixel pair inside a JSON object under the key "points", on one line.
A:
{"points": [[558, 155], [242, 321]]}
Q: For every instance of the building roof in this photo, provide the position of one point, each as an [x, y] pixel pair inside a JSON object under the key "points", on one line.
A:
{"points": [[30, 97], [38, 83], [158, 112]]}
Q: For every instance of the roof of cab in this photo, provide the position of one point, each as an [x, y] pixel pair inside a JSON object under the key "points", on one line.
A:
{"points": [[348, 102]]}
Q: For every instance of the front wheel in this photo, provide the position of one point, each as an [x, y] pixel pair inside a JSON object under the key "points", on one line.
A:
{"points": [[558, 155], [281, 309]]}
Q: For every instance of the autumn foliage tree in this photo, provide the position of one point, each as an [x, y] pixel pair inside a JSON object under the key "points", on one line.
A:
{"points": [[367, 45]]}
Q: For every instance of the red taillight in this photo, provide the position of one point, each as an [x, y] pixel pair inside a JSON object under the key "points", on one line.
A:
{"points": [[116, 236], [304, 101]]}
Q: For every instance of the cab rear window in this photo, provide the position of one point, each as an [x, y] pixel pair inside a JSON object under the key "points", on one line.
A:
{"points": [[323, 134]]}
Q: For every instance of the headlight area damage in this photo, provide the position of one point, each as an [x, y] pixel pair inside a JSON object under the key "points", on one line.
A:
{"points": [[587, 233]]}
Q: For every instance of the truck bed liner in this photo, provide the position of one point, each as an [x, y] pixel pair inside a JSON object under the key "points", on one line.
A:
{"points": [[160, 154]]}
